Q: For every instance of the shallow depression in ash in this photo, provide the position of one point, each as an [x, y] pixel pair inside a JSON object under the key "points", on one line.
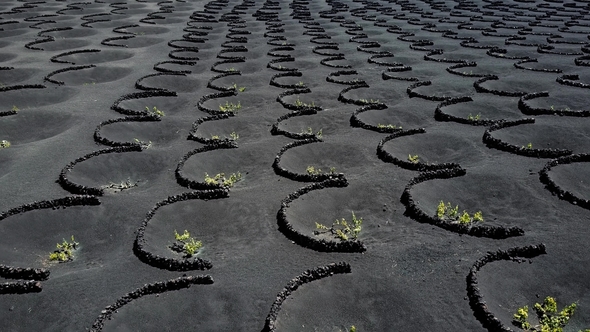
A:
{"points": [[436, 148], [507, 286], [140, 168], [503, 200]]}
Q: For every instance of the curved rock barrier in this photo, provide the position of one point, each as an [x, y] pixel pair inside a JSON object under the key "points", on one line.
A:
{"points": [[148, 289], [476, 301], [318, 273], [33, 276], [167, 263], [78, 189], [554, 188], [498, 144], [414, 212], [529, 110], [306, 241], [414, 166]]}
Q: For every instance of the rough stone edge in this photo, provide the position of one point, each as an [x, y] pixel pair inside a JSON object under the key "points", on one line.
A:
{"points": [[306, 241], [556, 189], [83, 190], [306, 277], [148, 289], [476, 301], [495, 143], [166, 263], [414, 212]]}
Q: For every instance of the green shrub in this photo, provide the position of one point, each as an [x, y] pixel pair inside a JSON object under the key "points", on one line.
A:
{"points": [[550, 320], [186, 244], [230, 107], [313, 171], [143, 144], [220, 179], [317, 171], [155, 111], [299, 103], [309, 131], [387, 126], [341, 229], [369, 101], [64, 251], [240, 89], [233, 136], [413, 159], [473, 118], [4, 144], [449, 213], [123, 185]]}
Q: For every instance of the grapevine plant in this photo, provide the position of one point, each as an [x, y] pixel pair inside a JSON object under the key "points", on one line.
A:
{"points": [[449, 213], [220, 179], [64, 251], [185, 244], [341, 229], [550, 320]]}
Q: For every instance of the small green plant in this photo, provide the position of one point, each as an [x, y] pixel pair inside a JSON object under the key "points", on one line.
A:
{"points": [[387, 126], [142, 143], [352, 329], [313, 171], [4, 144], [299, 103], [300, 84], [186, 244], [123, 185], [316, 171], [240, 89], [15, 109], [369, 101], [220, 179], [465, 218], [413, 159], [473, 118], [233, 136], [232, 69], [550, 320], [450, 213], [230, 107], [342, 229], [478, 216], [552, 108], [528, 146], [64, 251], [155, 111], [309, 131]]}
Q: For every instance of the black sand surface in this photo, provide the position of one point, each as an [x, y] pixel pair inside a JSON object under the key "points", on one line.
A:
{"points": [[113, 111]]}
